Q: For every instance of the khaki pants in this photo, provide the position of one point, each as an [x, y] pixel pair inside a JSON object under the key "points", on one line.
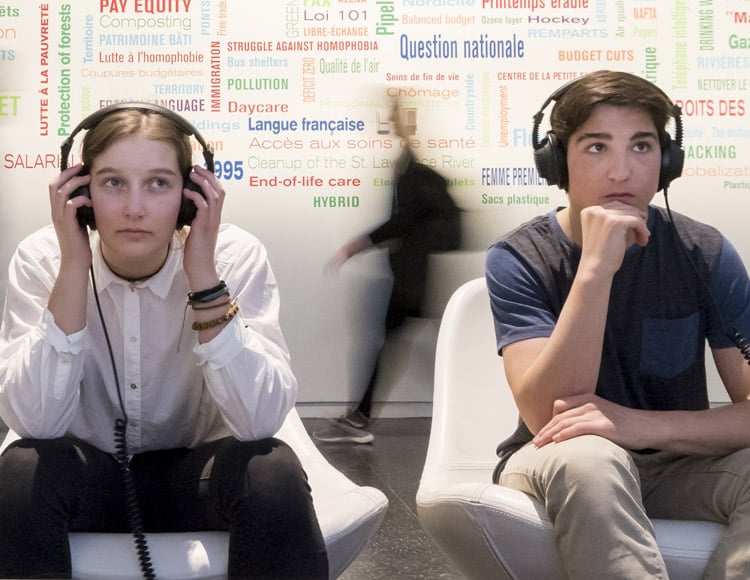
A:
{"points": [[600, 497]]}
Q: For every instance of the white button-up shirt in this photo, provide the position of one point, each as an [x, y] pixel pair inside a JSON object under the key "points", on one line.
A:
{"points": [[176, 392]]}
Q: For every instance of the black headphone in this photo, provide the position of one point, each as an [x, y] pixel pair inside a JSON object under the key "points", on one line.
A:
{"points": [[188, 210], [551, 161]]}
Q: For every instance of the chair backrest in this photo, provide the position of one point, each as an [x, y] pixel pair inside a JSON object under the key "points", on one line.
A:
{"points": [[473, 408]]}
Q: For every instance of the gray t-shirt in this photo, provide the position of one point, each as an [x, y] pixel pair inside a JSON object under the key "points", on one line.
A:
{"points": [[667, 299]]}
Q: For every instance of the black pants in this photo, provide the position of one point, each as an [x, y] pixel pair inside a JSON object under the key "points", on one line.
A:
{"points": [[256, 490], [395, 318]]}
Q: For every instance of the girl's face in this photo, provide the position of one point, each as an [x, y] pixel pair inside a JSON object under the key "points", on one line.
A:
{"points": [[614, 156], [136, 192]]}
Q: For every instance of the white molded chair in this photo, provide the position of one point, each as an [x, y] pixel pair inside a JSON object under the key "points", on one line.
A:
{"points": [[349, 516], [490, 531]]}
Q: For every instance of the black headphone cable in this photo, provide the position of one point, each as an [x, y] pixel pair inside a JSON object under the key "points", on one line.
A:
{"points": [[121, 454], [737, 337]]}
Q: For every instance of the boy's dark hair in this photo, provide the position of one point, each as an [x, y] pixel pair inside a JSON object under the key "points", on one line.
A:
{"points": [[615, 88]]}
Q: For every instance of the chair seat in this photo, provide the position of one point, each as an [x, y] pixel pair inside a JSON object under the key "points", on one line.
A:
{"points": [[347, 524], [199, 555], [485, 527]]}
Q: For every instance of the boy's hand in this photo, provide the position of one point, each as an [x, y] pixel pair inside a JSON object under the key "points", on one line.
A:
{"points": [[608, 231]]}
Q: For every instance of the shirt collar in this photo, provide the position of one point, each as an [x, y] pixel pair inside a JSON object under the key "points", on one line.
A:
{"points": [[159, 283]]}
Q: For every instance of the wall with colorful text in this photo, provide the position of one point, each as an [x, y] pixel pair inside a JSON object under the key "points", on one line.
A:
{"points": [[293, 95]]}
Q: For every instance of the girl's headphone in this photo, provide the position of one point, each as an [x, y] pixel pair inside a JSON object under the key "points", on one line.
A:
{"points": [[187, 207]]}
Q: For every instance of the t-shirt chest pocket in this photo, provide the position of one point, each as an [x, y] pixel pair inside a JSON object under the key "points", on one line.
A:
{"points": [[669, 346]]}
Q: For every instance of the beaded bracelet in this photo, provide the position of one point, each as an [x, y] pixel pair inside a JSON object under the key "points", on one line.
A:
{"points": [[209, 294], [223, 319]]}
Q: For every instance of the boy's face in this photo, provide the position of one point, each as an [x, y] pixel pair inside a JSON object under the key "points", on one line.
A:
{"points": [[614, 156], [136, 192]]}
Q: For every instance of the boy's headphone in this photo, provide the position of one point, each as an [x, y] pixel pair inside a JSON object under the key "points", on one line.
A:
{"points": [[551, 161], [188, 210]]}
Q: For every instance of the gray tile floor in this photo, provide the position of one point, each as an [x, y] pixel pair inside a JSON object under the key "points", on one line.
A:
{"points": [[393, 464]]}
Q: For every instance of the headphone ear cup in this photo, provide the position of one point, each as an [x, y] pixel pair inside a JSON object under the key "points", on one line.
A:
{"points": [[188, 210], [85, 214], [551, 162], [672, 163]]}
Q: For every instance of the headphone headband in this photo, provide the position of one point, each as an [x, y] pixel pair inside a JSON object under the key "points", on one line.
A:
{"points": [[539, 115], [95, 118]]}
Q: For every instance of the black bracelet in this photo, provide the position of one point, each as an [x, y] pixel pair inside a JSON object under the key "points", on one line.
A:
{"points": [[210, 294]]}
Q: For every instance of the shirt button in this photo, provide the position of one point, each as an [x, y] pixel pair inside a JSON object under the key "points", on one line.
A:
{"points": [[133, 386]]}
